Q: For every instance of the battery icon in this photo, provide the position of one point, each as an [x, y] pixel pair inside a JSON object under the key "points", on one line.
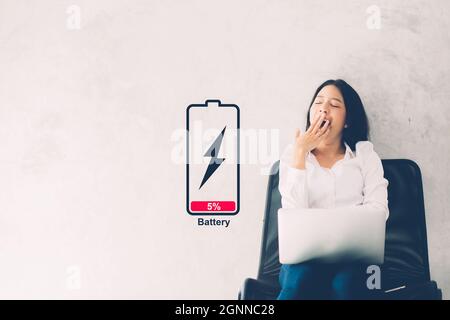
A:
{"points": [[212, 158]]}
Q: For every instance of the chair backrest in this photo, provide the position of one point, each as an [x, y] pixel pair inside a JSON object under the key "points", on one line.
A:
{"points": [[406, 249]]}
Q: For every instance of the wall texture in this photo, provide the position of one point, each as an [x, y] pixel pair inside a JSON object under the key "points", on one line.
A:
{"points": [[92, 101]]}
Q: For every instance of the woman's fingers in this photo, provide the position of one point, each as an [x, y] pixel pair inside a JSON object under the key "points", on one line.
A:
{"points": [[297, 133], [313, 122], [316, 118], [323, 129], [326, 133], [318, 122]]}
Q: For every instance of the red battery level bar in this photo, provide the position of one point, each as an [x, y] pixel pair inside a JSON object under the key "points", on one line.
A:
{"points": [[217, 206]]}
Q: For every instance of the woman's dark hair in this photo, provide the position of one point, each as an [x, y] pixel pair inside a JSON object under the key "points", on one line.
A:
{"points": [[356, 118]]}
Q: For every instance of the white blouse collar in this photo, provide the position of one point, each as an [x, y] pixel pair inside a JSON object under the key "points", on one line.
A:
{"points": [[348, 152]]}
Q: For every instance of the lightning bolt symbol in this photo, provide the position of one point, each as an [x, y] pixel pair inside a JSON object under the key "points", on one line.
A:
{"points": [[215, 162]]}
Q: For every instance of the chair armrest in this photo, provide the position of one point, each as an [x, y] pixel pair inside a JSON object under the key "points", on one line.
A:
{"points": [[253, 289], [427, 290]]}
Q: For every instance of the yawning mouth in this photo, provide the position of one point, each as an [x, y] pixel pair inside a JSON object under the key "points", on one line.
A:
{"points": [[323, 123]]}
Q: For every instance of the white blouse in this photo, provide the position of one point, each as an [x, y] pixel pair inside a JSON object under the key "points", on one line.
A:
{"points": [[357, 179]]}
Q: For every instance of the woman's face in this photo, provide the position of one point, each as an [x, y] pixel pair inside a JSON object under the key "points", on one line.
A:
{"points": [[329, 100]]}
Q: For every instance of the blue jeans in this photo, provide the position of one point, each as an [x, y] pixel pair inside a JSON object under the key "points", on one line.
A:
{"points": [[313, 280]]}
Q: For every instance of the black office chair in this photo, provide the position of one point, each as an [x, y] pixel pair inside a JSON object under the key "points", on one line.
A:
{"points": [[405, 273]]}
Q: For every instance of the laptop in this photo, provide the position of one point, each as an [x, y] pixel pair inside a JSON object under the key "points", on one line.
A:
{"points": [[331, 235]]}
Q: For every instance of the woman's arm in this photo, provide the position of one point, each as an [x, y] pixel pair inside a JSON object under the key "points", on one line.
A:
{"points": [[293, 183], [293, 179], [375, 185]]}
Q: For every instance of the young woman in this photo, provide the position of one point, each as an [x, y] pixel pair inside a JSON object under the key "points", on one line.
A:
{"points": [[332, 164]]}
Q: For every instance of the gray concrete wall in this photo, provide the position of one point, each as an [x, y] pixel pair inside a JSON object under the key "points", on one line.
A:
{"points": [[92, 100]]}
